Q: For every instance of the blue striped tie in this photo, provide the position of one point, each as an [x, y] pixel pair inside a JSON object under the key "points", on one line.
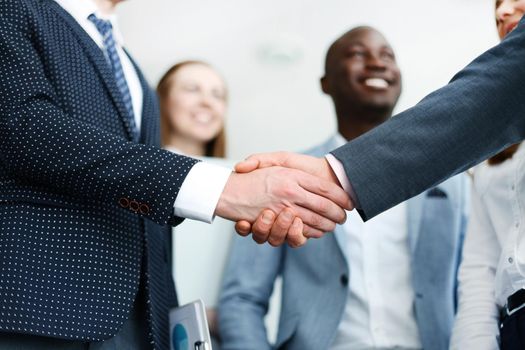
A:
{"points": [[106, 30]]}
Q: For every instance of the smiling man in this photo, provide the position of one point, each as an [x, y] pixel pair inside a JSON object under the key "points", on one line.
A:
{"points": [[388, 283], [363, 80]]}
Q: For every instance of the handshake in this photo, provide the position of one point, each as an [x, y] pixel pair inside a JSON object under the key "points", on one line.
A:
{"points": [[283, 197]]}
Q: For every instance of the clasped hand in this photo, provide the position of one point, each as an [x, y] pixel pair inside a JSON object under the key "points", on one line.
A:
{"points": [[283, 197]]}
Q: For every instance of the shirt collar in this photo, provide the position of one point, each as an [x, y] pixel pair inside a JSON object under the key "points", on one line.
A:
{"points": [[81, 9]]}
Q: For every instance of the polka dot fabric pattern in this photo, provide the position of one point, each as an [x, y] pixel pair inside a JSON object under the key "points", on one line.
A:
{"points": [[81, 205], [70, 293]]}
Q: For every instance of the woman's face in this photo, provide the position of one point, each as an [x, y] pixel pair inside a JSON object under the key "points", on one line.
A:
{"points": [[508, 14], [196, 103]]}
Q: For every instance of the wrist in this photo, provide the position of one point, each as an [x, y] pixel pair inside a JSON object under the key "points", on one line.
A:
{"points": [[329, 173]]}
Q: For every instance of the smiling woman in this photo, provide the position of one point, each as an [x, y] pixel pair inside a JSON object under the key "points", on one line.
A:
{"points": [[193, 99]]}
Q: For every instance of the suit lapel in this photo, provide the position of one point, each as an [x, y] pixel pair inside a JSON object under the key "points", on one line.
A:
{"points": [[150, 133], [96, 56], [414, 215]]}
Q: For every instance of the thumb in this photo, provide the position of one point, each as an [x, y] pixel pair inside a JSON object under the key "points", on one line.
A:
{"points": [[247, 165], [243, 228]]}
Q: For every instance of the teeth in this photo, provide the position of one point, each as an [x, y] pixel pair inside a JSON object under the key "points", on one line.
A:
{"points": [[203, 117], [377, 83]]}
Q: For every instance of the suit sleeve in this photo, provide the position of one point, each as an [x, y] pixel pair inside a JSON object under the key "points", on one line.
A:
{"points": [[247, 287], [477, 114], [40, 144]]}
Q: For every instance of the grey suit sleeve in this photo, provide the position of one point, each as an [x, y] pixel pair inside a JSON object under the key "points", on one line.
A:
{"points": [[247, 287], [480, 112]]}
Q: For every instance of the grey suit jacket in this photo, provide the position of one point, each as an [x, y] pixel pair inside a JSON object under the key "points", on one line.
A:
{"points": [[480, 112], [315, 278]]}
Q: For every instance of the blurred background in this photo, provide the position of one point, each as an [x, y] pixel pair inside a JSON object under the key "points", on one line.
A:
{"points": [[271, 54]]}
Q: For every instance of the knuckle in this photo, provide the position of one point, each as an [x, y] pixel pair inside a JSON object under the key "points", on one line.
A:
{"points": [[315, 220], [324, 187], [288, 192], [323, 206], [281, 225]]}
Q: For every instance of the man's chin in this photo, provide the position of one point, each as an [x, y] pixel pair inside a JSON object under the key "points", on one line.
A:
{"points": [[379, 105]]}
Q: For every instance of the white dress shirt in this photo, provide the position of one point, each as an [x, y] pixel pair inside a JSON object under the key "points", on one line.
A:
{"points": [[201, 190], [493, 265], [80, 10], [379, 313]]}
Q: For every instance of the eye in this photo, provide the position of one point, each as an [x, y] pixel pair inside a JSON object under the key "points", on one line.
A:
{"points": [[190, 88], [219, 95], [356, 53], [388, 56]]}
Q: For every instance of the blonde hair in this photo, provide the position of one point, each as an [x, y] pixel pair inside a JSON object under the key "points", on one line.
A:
{"points": [[215, 147]]}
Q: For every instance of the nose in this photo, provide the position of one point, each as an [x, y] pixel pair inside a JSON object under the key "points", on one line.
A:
{"points": [[375, 62], [504, 9], [206, 99]]}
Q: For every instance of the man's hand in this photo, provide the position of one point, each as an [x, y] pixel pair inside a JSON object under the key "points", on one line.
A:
{"points": [[318, 203], [267, 223], [318, 167]]}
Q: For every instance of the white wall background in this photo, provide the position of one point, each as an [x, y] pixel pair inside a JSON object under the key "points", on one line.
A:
{"points": [[271, 54]]}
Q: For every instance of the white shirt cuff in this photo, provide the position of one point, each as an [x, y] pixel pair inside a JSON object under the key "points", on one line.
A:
{"points": [[200, 192], [340, 173]]}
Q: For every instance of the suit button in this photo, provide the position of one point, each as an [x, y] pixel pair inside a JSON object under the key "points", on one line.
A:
{"points": [[144, 209], [344, 280], [134, 206], [124, 202]]}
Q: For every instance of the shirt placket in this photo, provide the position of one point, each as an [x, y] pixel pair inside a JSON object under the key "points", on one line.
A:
{"points": [[517, 257]]}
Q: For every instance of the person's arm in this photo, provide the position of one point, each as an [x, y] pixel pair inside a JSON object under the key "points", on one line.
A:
{"points": [[43, 145], [473, 117], [476, 324], [247, 287]]}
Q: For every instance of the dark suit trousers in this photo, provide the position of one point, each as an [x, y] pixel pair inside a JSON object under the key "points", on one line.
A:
{"points": [[512, 331]]}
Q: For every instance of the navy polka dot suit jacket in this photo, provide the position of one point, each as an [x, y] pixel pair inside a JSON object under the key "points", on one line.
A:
{"points": [[81, 206]]}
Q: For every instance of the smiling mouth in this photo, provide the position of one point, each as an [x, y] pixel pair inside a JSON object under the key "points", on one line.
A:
{"points": [[203, 118], [376, 83], [510, 28]]}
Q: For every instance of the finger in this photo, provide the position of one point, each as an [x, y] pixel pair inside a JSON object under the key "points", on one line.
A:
{"points": [[247, 165], [310, 232], [262, 160], [322, 207], [313, 219], [295, 237], [243, 228], [262, 226], [281, 226], [324, 197]]}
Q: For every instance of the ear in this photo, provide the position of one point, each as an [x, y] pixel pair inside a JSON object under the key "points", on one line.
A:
{"points": [[325, 86]]}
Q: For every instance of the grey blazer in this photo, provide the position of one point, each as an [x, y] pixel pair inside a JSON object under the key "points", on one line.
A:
{"points": [[480, 112], [315, 278]]}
